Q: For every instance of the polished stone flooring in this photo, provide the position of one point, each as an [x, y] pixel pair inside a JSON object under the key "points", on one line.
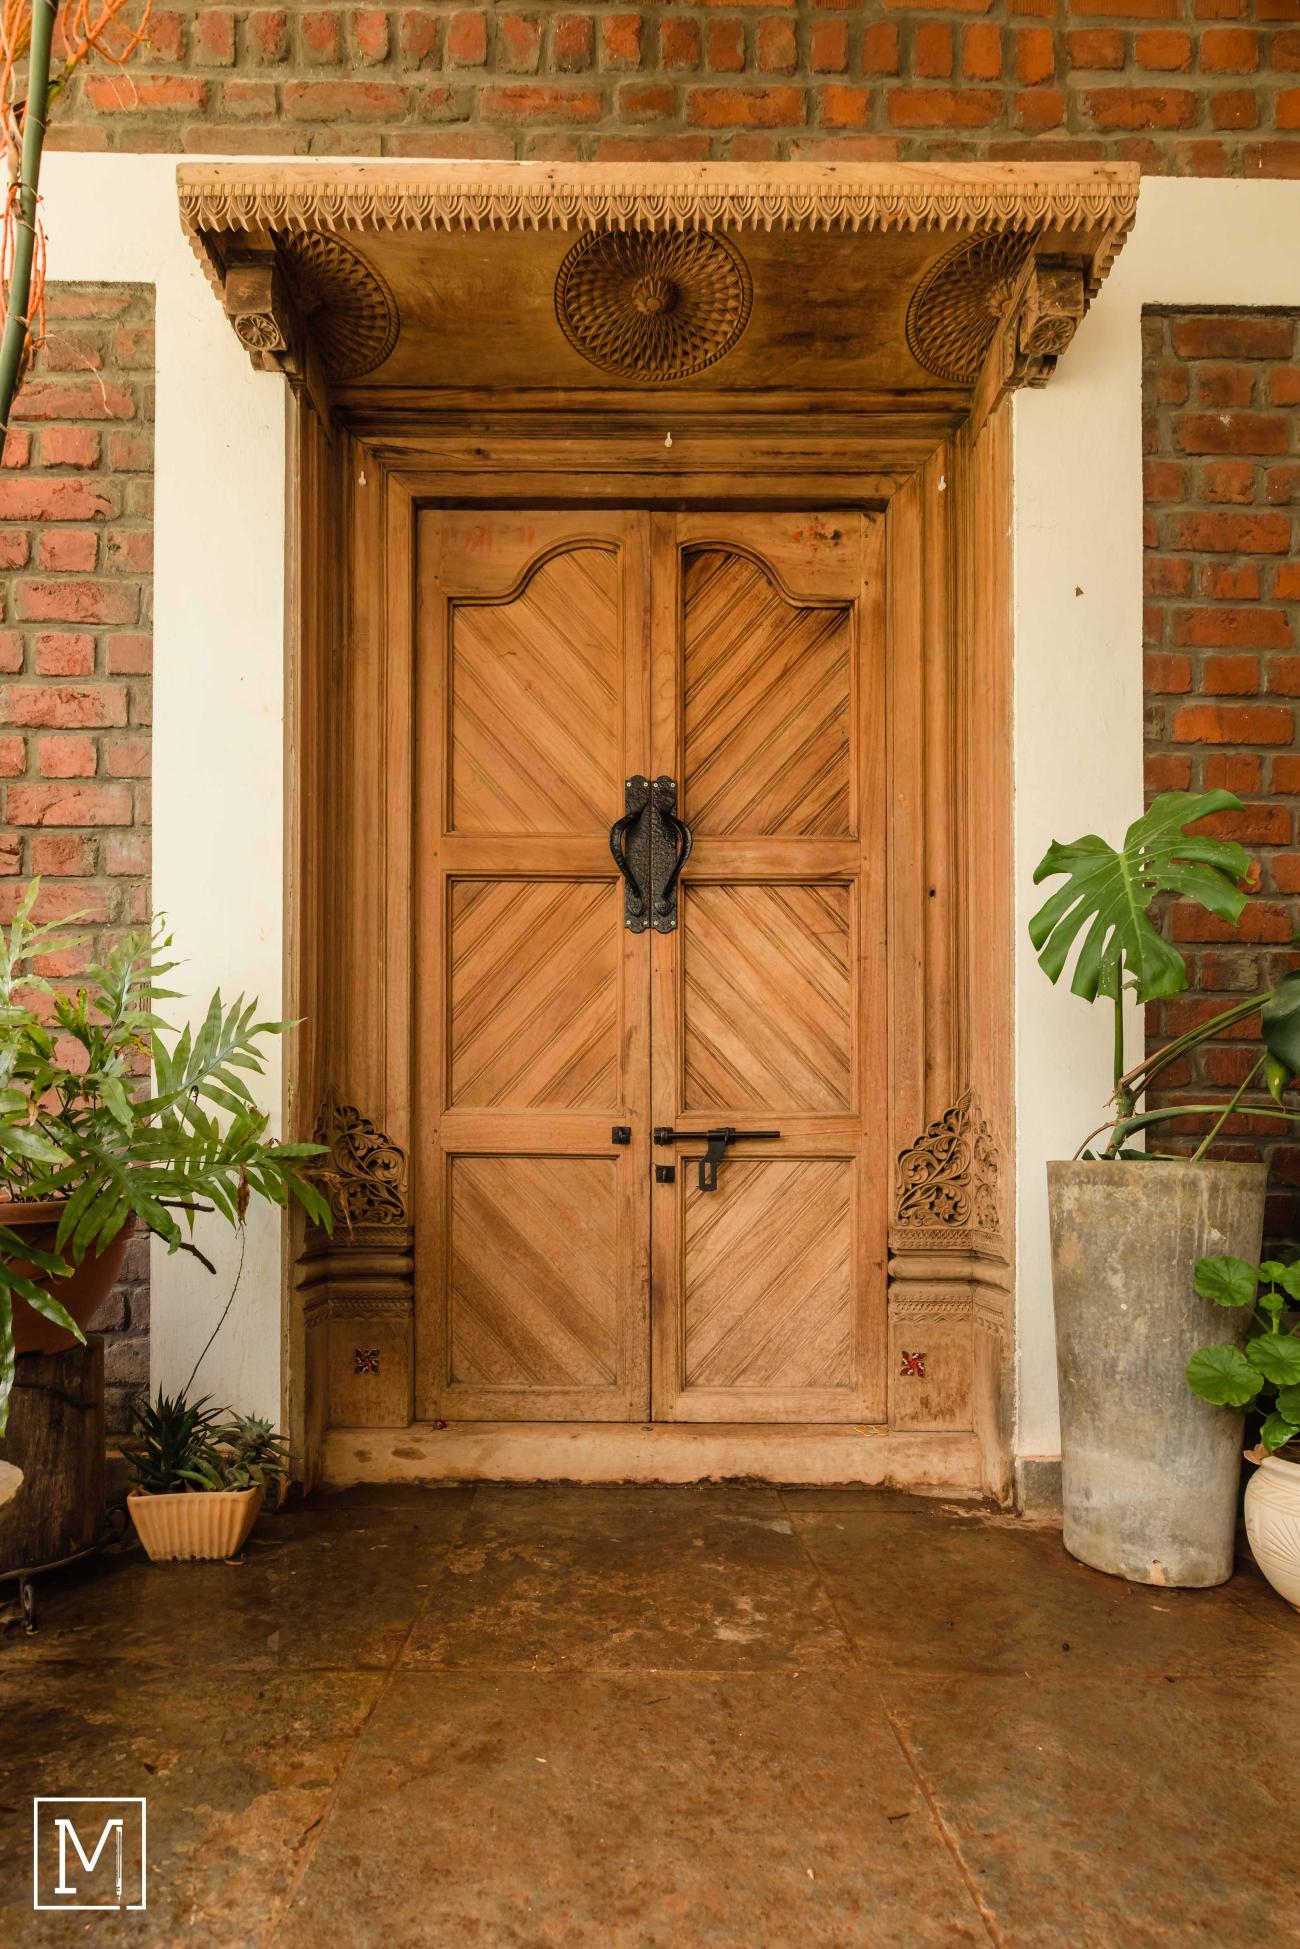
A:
{"points": [[661, 1719]]}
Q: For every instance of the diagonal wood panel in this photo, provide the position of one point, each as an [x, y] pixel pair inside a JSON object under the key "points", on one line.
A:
{"points": [[534, 1290], [768, 994], [535, 684], [534, 994], [767, 707], [769, 1291]]}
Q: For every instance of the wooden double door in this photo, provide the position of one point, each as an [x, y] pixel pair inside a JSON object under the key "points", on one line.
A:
{"points": [[574, 1048]]}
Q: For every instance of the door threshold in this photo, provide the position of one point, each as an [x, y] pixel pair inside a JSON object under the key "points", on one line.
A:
{"points": [[804, 1456]]}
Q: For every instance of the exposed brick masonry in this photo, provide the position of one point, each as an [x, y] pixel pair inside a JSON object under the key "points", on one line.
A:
{"points": [[1198, 87], [76, 532], [1222, 634]]}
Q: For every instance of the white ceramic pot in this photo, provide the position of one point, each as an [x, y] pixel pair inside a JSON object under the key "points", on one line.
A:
{"points": [[1273, 1524], [207, 1524]]}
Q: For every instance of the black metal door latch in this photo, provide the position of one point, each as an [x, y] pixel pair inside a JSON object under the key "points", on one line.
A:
{"points": [[650, 845], [716, 1142]]}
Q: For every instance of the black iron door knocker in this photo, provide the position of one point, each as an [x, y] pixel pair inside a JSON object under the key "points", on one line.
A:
{"points": [[650, 845]]}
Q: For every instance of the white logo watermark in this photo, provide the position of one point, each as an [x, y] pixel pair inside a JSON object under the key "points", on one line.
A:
{"points": [[88, 1853]]}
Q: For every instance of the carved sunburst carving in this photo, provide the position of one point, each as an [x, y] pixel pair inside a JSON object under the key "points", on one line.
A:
{"points": [[354, 321], [653, 305], [956, 307]]}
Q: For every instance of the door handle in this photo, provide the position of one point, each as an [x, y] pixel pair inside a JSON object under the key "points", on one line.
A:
{"points": [[636, 797], [716, 1143], [671, 841]]}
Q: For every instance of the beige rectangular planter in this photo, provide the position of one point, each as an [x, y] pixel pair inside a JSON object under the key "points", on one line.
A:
{"points": [[206, 1525]]}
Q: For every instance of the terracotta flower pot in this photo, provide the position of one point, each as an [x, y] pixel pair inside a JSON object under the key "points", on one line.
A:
{"points": [[1273, 1524], [205, 1525], [83, 1293]]}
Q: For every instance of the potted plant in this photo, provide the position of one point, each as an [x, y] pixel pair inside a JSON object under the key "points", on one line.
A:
{"points": [[109, 1120], [1149, 1473], [1259, 1370], [200, 1482]]}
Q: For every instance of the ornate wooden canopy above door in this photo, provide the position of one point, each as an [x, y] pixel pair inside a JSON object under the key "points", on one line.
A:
{"points": [[701, 471], [902, 279]]}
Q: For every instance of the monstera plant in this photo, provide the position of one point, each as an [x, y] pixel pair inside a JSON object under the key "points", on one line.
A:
{"points": [[110, 1121], [1149, 1471], [1104, 908]]}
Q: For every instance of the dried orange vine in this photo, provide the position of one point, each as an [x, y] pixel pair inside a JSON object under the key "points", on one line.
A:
{"points": [[42, 44]]}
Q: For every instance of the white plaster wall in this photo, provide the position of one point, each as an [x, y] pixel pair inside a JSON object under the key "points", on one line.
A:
{"points": [[1078, 608], [218, 848]]}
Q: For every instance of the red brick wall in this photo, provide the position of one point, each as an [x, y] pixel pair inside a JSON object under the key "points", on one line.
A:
{"points": [[1199, 87], [76, 496], [1222, 636]]}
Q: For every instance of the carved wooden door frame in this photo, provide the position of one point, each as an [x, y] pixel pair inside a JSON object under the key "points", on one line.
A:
{"points": [[945, 491]]}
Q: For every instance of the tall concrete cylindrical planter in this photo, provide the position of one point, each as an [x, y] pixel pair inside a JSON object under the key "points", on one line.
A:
{"points": [[1149, 1472]]}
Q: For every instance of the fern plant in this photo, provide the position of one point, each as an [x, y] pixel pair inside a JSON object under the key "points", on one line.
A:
{"points": [[119, 1117]]}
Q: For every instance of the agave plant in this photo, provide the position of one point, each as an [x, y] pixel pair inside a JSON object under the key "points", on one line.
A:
{"points": [[242, 1453], [122, 1119], [1103, 910], [168, 1437]]}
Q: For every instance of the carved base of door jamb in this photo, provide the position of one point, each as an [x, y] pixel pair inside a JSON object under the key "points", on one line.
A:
{"points": [[358, 1300]]}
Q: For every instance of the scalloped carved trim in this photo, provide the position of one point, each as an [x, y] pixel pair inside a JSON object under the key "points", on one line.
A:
{"points": [[786, 196]]}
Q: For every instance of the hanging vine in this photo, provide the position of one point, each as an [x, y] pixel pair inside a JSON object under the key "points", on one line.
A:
{"points": [[42, 44]]}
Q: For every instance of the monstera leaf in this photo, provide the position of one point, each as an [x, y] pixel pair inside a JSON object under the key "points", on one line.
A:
{"points": [[1107, 894]]}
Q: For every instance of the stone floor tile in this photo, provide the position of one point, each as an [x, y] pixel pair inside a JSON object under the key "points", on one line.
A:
{"points": [[330, 1587], [566, 1811], [237, 1781], [974, 1593], [1115, 1812], [644, 1581]]}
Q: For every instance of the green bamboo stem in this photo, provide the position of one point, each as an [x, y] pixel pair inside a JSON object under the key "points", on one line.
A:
{"points": [[17, 325]]}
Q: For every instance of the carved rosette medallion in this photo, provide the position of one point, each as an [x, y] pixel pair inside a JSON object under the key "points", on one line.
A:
{"points": [[653, 305], [351, 311], [260, 332], [366, 1172], [960, 302], [948, 1179]]}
